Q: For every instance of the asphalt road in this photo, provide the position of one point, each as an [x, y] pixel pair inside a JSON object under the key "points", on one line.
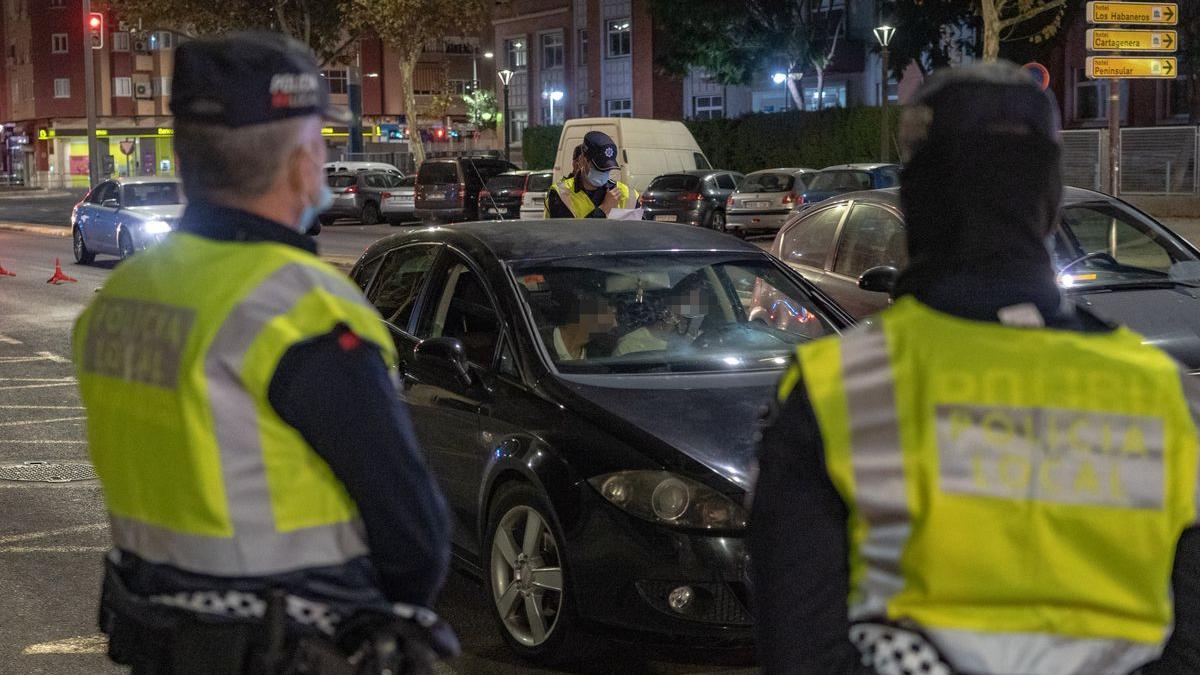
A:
{"points": [[53, 534]]}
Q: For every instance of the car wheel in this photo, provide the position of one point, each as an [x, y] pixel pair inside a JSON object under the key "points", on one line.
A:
{"points": [[370, 214], [125, 244], [717, 221], [527, 576], [326, 220], [83, 255]]}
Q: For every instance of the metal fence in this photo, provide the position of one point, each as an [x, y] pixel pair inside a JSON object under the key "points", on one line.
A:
{"points": [[1153, 161]]}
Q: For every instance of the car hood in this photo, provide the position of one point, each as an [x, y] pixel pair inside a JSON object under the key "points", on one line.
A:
{"points": [[1168, 318], [166, 212], [713, 422]]}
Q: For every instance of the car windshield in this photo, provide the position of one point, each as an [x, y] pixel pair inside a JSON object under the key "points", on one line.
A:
{"points": [[674, 183], [840, 181], [667, 312], [540, 182], [768, 182], [407, 181], [506, 182], [340, 181], [152, 194], [1102, 243]]}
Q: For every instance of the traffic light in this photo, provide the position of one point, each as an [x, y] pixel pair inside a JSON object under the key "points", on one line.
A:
{"points": [[95, 26]]}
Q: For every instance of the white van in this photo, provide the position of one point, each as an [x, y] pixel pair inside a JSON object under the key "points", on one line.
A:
{"points": [[647, 148], [355, 167]]}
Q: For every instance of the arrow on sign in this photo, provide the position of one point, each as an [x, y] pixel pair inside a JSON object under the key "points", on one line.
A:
{"points": [[1167, 67], [1169, 12], [1168, 41]]}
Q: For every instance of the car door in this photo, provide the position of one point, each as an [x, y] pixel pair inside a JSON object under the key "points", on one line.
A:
{"points": [[807, 244], [872, 236], [104, 219], [87, 214], [459, 306]]}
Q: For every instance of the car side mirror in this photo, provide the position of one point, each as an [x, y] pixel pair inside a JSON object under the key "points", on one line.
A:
{"points": [[445, 353], [111, 204], [879, 279]]}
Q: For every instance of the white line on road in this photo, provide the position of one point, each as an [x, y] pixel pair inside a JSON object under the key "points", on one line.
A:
{"points": [[84, 644], [41, 356], [37, 386], [53, 549], [37, 379], [41, 442], [28, 422], [8, 340], [74, 529], [41, 407]]}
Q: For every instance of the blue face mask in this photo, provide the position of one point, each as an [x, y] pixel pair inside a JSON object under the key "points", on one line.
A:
{"points": [[597, 177], [312, 211]]}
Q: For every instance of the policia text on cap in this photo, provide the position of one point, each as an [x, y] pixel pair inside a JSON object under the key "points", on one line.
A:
{"points": [[986, 479], [590, 191], [267, 497]]}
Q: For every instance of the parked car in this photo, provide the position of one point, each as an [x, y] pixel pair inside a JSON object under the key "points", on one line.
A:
{"points": [[366, 196], [533, 204], [501, 196], [1112, 259], [693, 197], [448, 189], [125, 215], [588, 487], [647, 148], [765, 198], [353, 167], [836, 180], [399, 202]]}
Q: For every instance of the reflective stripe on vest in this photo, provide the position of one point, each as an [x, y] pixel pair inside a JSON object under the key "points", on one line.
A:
{"points": [[1016, 493], [581, 204], [258, 500]]}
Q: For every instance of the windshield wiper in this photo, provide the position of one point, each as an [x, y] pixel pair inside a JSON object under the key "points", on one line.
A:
{"points": [[1134, 283]]}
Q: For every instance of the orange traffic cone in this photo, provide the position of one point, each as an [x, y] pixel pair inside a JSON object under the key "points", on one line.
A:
{"points": [[59, 277], [5, 273]]}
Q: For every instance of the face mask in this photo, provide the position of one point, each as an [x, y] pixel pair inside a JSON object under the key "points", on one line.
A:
{"points": [[322, 201], [597, 177]]}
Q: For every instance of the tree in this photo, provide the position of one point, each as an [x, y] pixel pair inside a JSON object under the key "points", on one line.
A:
{"points": [[1009, 20], [929, 33], [407, 25], [320, 24], [481, 108]]}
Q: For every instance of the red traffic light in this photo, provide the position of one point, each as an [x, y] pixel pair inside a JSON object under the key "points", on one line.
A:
{"points": [[95, 20]]}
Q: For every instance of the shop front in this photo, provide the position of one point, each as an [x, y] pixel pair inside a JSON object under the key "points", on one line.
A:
{"points": [[124, 152]]}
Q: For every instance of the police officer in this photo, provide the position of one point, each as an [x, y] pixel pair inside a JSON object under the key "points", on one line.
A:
{"points": [[266, 493], [985, 479], [591, 192]]}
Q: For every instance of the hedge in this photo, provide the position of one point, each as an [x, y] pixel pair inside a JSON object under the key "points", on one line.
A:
{"points": [[762, 140]]}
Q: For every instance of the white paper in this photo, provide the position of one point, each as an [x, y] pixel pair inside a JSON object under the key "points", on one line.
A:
{"points": [[625, 214]]}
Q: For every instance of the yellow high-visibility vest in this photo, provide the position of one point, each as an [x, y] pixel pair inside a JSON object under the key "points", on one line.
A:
{"points": [[1017, 493], [174, 358], [581, 204]]}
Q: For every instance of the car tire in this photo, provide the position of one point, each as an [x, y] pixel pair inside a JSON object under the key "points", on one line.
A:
{"points": [[83, 255], [520, 575], [370, 214], [125, 245], [326, 220], [716, 221]]}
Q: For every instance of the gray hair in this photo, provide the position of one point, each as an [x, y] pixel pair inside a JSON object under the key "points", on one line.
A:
{"points": [[235, 163]]}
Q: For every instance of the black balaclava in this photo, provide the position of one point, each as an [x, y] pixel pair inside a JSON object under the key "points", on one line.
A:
{"points": [[980, 190]]}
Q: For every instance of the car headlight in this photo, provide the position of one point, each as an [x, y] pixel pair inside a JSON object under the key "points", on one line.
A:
{"points": [[666, 498], [156, 227]]}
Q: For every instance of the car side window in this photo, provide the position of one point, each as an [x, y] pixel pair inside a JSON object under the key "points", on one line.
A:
{"points": [[401, 278], [367, 272], [104, 191], [872, 236], [466, 313], [808, 241], [725, 182], [888, 178], [1105, 229]]}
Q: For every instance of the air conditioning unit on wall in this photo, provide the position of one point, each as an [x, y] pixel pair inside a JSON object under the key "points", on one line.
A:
{"points": [[142, 88]]}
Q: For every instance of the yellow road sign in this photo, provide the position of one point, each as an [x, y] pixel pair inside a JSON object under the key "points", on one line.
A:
{"points": [[1131, 67], [1115, 40], [1159, 13]]}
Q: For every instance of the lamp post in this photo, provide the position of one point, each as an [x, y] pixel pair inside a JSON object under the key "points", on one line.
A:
{"points": [[552, 96], [782, 78], [884, 35], [505, 77]]}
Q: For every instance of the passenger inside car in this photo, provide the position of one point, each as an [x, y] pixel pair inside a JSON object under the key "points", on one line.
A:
{"points": [[583, 325]]}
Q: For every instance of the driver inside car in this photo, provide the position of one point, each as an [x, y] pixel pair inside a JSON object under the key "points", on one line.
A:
{"points": [[585, 324]]}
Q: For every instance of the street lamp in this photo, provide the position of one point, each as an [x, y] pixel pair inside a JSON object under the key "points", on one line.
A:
{"points": [[884, 35], [552, 96], [505, 76], [781, 78]]}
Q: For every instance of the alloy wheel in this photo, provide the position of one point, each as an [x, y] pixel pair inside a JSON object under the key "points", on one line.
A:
{"points": [[527, 578], [718, 221], [125, 244]]}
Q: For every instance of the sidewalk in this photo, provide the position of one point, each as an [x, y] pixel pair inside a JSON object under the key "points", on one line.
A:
{"points": [[1188, 228]]}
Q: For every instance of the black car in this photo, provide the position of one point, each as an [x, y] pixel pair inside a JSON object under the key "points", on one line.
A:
{"points": [[501, 197], [693, 197], [596, 472], [448, 189], [1113, 259]]}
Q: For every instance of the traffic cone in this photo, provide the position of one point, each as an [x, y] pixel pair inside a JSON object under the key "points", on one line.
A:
{"points": [[5, 273], [59, 277]]}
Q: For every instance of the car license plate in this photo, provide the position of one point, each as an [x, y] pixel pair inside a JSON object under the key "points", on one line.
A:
{"points": [[667, 219], [491, 212], [757, 205], [436, 197]]}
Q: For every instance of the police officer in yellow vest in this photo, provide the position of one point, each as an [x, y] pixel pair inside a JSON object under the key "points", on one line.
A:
{"points": [[984, 478], [267, 498], [591, 192]]}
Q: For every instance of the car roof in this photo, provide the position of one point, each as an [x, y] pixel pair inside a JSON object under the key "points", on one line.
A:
{"points": [[515, 172], [866, 166], [891, 195], [784, 169], [513, 240], [140, 180]]}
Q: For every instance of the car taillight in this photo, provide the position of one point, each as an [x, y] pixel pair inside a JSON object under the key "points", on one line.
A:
{"points": [[518, 193], [691, 197], [729, 202], [462, 192], [485, 194], [352, 190], [386, 195], [789, 198]]}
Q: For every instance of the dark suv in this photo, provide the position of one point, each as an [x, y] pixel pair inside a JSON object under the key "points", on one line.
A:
{"points": [[448, 189]]}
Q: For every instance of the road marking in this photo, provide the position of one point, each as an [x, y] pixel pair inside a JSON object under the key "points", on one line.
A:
{"points": [[74, 529], [9, 341], [38, 386], [84, 644], [42, 442], [37, 379], [28, 422], [40, 356], [53, 549], [41, 407]]}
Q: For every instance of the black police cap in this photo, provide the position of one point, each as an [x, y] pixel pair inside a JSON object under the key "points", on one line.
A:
{"points": [[249, 78], [600, 150]]}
